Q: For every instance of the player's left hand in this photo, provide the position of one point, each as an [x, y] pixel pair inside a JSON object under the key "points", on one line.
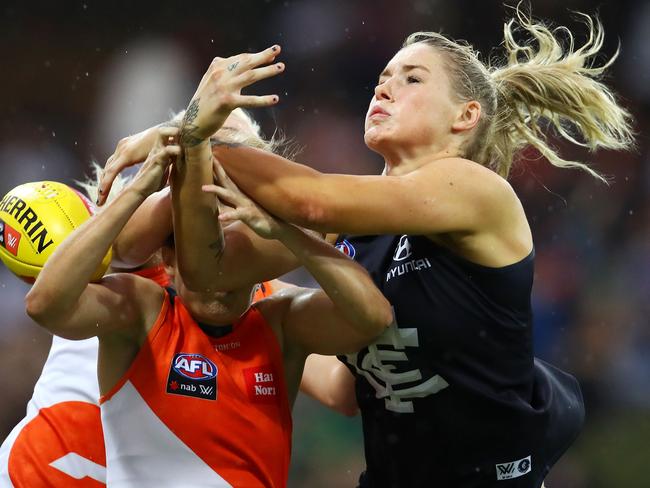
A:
{"points": [[241, 207]]}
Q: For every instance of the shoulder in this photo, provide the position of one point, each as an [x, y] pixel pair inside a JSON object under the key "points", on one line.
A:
{"points": [[139, 296], [465, 171], [277, 308], [125, 282], [471, 180]]}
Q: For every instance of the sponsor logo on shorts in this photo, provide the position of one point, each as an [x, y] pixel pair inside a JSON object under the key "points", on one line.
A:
{"points": [[192, 375], [514, 469], [261, 384], [346, 248], [9, 238]]}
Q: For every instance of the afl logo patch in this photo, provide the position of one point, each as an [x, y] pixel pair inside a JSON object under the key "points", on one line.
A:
{"points": [[195, 366], [346, 248], [192, 375], [403, 250]]}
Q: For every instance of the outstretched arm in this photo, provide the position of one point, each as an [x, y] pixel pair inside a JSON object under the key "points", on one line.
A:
{"points": [[450, 195], [347, 312], [198, 236], [62, 299]]}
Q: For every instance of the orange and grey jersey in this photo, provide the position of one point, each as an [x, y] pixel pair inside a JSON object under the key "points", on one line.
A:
{"points": [[195, 410], [60, 442]]}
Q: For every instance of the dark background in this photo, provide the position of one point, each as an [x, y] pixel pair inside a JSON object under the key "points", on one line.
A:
{"points": [[77, 76]]}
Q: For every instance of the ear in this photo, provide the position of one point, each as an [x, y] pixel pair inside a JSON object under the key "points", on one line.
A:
{"points": [[468, 117]]}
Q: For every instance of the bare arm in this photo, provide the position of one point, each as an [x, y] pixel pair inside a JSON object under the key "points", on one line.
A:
{"points": [[328, 381], [347, 312], [199, 237], [451, 195], [247, 258], [145, 232], [62, 299]]}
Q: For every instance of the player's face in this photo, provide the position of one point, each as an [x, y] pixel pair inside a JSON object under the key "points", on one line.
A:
{"points": [[413, 105]]}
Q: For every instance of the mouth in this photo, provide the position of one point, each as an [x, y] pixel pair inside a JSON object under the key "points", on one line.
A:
{"points": [[378, 112]]}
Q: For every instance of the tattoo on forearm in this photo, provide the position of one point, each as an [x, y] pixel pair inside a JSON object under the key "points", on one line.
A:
{"points": [[192, 111], [233, 66], [189, 132], [189, 137]]}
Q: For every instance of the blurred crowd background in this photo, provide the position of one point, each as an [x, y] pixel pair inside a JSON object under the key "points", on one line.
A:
{"points": [[79, 75]]}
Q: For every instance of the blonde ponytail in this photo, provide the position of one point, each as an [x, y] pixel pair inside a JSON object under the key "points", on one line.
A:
{"points": [[559, 87], [541, 86]]}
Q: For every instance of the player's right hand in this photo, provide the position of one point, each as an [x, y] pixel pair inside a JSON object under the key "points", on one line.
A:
{"points": [[153, 173], [238, 206], [130, 151]]}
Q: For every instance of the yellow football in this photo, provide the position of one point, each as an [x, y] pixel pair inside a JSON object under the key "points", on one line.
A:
{"points": [[34, 219]]}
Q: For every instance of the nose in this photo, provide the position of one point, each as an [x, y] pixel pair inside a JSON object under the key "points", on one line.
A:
{"points": [[383, 91]]}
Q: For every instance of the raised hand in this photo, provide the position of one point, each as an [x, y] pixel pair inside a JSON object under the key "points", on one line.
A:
{"points": [[152, 175], [242, 207], [219, 92], [130, 151]]}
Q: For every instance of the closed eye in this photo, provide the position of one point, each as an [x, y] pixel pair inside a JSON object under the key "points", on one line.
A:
{"points": [[412, 79]]}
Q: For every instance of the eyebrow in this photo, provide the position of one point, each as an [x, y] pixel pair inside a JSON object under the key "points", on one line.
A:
{"points": [[406, 68]]}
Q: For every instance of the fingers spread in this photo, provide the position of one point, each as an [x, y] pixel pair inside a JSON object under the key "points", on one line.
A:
{"points": [[251, 76], [244, 62], [254, 101]]}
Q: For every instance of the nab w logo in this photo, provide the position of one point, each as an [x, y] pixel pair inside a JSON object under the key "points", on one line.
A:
{"points": [[403, 250], [192, 375], [515, 469]]}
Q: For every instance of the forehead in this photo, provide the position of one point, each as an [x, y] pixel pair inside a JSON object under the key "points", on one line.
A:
{"points": [[240, 123], [418, 54]]}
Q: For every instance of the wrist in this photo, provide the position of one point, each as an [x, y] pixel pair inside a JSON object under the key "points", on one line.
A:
{"points": [[133, 193], [195, 154]]}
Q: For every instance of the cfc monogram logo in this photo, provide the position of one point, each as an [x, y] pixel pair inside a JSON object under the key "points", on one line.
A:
{"points": [[386, 379]]}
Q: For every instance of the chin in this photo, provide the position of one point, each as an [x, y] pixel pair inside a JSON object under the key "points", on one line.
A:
{"points": [[375, 142]]}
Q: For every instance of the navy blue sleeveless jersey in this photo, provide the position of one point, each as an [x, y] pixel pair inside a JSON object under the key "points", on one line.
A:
{"points": [[451, 396]]}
